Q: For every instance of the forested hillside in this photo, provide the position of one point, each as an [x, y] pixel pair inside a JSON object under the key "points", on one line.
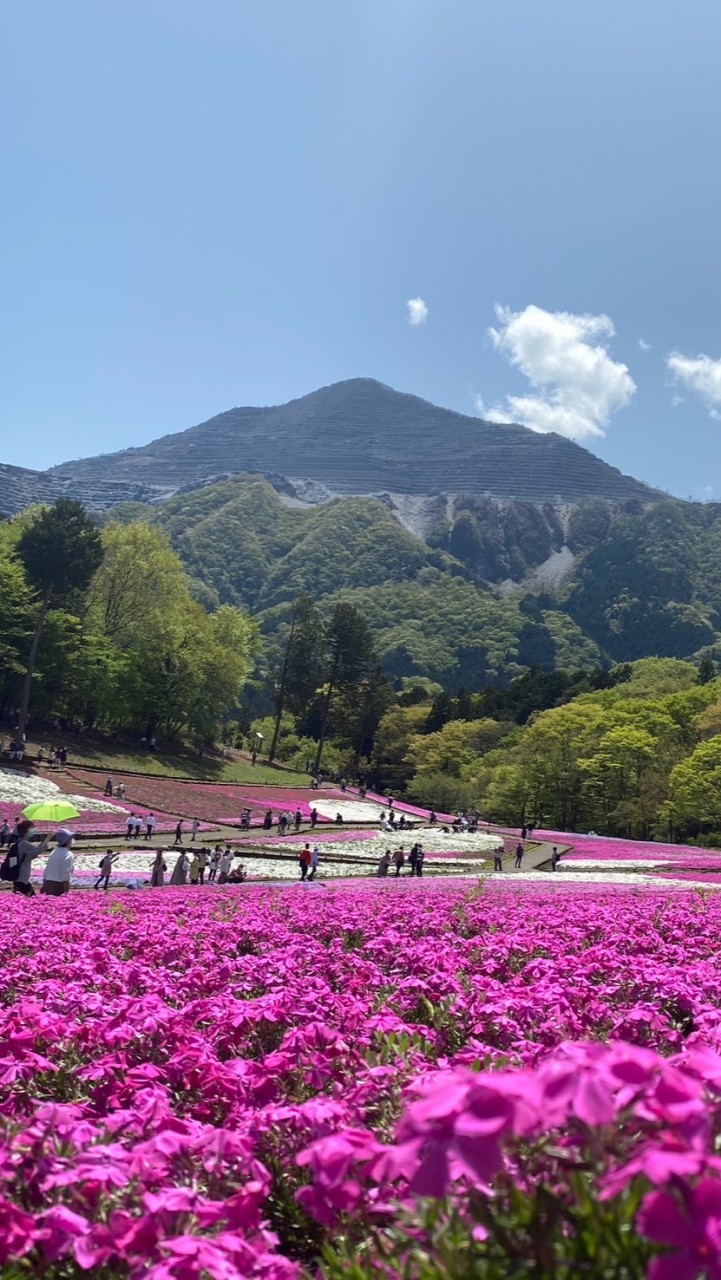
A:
{"points": [[493, 589], [636, 752]]}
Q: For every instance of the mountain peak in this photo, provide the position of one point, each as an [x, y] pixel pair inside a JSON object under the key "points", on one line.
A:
{"points": [[358, 436]]}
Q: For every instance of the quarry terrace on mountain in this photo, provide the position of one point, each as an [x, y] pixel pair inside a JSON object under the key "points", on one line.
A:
{"points": [[354, 437]]}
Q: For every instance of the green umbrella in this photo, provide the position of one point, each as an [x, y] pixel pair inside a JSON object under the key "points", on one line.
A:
{"points": [[51, 811]]}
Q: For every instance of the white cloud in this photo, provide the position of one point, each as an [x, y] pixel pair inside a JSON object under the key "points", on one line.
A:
{"points": [[699, 374], [645, 346], [577, 385], [417, 311]]}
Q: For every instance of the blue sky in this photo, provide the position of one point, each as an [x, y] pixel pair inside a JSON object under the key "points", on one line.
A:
{"points": [[232, 202]]}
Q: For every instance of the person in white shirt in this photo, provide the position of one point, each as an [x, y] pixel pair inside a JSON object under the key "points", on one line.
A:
{"points": [[59, 867], [226, 864], [138, 824], [314, 854], [149, 826]]}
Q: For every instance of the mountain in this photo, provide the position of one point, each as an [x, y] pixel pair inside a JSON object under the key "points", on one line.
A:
{"points": [[357, 437], [474, 550]]}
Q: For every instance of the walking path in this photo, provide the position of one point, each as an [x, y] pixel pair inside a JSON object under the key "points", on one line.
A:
{"points": [[537, 856]]}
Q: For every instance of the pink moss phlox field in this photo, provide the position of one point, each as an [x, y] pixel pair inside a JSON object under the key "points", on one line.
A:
{"points": [[215, 802], [197, 1085], [90, 823]]}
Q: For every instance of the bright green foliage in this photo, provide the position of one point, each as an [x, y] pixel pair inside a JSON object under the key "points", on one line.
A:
{"points": [[695, 787], [128, 648], [611, 761]]}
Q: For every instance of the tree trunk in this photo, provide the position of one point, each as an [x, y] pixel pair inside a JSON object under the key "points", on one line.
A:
{"points": [[32, 656], [281, 693], [326, 712]]}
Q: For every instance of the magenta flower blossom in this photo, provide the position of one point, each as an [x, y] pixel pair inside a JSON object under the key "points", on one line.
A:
{"points": [[692, 1228]]}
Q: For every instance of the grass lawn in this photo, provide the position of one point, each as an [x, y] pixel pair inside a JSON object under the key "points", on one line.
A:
{"points": [[178, 762]]}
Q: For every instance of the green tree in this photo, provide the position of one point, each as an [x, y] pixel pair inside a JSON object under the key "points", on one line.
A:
{"points": [[60, 551], [299, 674], [139, 578], [350, 659], [695, 789]]}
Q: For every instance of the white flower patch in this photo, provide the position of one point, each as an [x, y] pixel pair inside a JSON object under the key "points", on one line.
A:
{"points": [[349, 810], [90, 805], [373, 845], [22, 789], [614, 864]]}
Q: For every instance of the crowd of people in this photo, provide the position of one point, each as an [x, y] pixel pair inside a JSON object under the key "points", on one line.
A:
{"points": [[398, 859]]}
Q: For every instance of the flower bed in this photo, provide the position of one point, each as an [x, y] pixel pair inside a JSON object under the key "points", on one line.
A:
{"points": [[219, 802], [220, 1084], [371, 844], [605, 853]]}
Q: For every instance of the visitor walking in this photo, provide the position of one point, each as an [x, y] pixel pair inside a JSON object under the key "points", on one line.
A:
{"points": [[106, 867], [25, 851], [59, 867], [555, 858], [150, 826], [197, 867], [304, 861], [519, 856], [498, 860], [129, 826], [282, 824], [268, 820], [180, 870], [194, 830], [314, 855], [399, 859], [108, 787], [313, 818], [413, 859], [138, 826], [158, 870], [179, 832], [298, 819]]}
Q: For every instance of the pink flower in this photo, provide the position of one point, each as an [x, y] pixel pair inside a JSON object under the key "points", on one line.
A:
{"points": [[16, 1231], [454, 1130], [694, 1231], [59, 1230]]}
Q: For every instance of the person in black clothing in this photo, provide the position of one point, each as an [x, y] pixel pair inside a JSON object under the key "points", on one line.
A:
{"points": [[519, 856]]}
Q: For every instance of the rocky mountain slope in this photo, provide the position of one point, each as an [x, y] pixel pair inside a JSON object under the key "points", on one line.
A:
{"points": [[356, 437]]}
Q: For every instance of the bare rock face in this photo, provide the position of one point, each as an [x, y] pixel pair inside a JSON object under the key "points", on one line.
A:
{"points": [[357, 437]]}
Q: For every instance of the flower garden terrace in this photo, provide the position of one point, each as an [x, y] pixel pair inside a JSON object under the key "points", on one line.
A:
{"points": [[350, 850], [421, 1080]]}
